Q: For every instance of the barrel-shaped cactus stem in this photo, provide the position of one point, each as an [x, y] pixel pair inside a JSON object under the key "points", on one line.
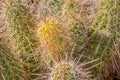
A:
{"points": [[69, 70], [51, 38]]}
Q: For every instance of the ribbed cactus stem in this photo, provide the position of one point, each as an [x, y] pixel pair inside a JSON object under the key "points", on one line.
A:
{"points": [[50, 35], [21, 34], [69, 71], [20, 22]]}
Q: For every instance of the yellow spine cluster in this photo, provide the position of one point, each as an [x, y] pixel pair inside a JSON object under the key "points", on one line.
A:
{"points": [[49, 32]]}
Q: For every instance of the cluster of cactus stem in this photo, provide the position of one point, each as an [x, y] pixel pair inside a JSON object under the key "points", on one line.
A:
{"points": [[53, 44], [97, 41]]}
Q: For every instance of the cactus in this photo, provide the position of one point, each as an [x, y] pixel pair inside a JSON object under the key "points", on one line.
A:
{"points": [[98, 40], [52, 41], [20, 23], [68, 70], [94, 27]]}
